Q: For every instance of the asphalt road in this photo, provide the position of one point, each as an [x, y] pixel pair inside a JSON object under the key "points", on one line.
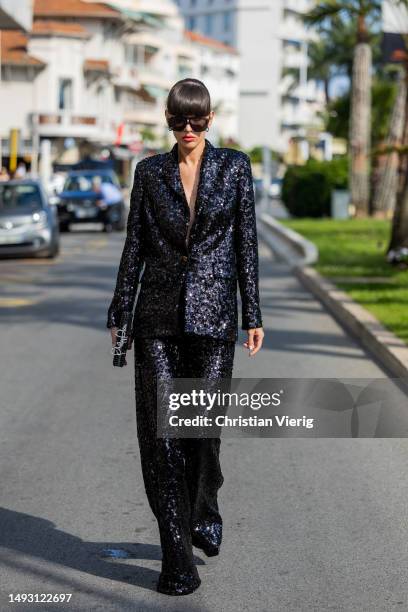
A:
{"points": [[318, 524]]}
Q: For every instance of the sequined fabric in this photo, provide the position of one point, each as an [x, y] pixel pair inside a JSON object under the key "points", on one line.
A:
{"points": [[182, 476], [190, 287]]}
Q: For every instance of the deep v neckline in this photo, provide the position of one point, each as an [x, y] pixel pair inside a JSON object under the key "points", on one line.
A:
{"points": [[192, 210], [198, 182]]}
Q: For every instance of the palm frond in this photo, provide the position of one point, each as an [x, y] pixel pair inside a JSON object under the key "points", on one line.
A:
{"points": [[325, 10]]}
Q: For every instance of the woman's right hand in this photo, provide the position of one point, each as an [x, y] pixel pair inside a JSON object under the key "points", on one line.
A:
{"points": [[113, 336]]}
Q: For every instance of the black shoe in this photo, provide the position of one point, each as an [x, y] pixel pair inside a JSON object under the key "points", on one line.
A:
{"points": [[199, 541], [207, 537], [181, 584]]}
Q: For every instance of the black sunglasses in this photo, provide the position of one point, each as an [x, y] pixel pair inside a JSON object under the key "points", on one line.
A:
{"points": [[179, 122]]}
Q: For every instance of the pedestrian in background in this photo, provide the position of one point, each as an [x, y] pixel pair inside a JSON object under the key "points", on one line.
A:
{"points": [[20, 171], [110, 193], [4, 175]]}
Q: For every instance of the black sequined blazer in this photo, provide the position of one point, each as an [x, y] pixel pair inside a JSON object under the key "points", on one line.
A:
{"points": [[191, 288]]}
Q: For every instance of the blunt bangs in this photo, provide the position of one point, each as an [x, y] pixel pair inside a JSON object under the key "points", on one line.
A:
{"points": [[189, 97]]}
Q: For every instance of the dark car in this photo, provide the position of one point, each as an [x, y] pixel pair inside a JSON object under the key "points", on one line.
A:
{"points": [[79, 202], [28, 223]]}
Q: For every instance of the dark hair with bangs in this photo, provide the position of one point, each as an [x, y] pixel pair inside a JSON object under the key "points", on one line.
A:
{"points": [[189, 97]]}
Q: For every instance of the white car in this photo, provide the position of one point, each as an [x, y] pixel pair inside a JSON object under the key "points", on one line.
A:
{"points": [[28, 223], [275, 188]]}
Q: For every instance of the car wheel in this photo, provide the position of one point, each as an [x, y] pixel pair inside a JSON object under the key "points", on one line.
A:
{"points": [[54, 251]]}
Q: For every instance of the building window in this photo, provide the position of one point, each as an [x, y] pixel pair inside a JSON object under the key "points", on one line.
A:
{"points": [[227, 20], [135, 54], [65, 94], [208, 24], [191, 23], [131, 54], [184, 71]]}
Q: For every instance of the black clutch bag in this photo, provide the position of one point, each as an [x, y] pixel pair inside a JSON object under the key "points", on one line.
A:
{"points": [[123, 334]]}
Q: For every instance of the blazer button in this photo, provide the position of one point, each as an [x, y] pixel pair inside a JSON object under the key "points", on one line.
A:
{"points": [[184, 258]]}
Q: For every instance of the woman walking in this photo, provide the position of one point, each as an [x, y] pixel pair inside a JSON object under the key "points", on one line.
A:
{"points": [[192, 224]]}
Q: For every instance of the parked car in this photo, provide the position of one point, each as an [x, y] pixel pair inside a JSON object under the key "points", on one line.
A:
{"points": [[28, 223], [80, 202]]}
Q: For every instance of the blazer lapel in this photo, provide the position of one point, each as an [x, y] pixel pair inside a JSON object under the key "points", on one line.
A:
{"points": [[210, 164]]}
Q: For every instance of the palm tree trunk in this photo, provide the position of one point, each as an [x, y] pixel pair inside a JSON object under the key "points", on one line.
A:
{"points": [[360, 129], [399, 233], [326, 91], [387, 187]]}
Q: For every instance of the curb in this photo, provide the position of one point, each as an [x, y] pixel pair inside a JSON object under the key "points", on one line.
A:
{"points": [[293, 247], [386, 346], [390, 350]]}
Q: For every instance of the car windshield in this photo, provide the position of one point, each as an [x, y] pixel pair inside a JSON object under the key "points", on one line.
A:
{"points": [[16, 197], [83, 182]]}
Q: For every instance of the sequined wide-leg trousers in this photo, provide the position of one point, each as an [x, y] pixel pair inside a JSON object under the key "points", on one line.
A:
{"points": [[182, 476]]}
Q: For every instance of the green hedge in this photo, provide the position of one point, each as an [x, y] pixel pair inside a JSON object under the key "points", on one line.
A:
{"points": [[306, 190]]}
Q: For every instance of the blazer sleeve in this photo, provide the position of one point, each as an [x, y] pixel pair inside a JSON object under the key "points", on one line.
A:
{"points": [[247, 247], [131, 260]]}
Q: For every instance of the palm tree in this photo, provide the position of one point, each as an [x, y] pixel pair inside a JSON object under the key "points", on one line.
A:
{"points": [[320, 66], [360, 13], [332, 53], [385, 194]]}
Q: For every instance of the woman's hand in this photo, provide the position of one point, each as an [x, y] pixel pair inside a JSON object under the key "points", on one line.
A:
{"points": [[254, 342], [113, 335]]}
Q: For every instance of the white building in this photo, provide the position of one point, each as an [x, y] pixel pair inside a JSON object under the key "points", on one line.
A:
{"points": [[218, 68], [275, 104], [95, 72]]}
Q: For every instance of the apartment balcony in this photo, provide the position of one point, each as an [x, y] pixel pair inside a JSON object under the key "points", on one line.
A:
{"points": [[292, 59], [186, 52], [145, 113], [301, 115], [126, 76], [308, 91], [293, 29], [66, 124], [133, 76], [147, 39], [152, 76]]}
